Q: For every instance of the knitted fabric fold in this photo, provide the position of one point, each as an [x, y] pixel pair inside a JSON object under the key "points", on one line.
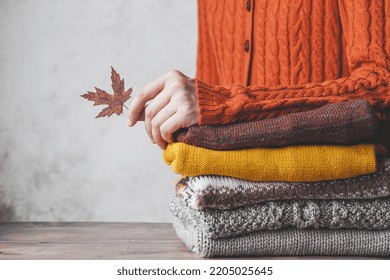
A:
{"points": [[301, 214], [341, 123], [221, 192], [294, 164], [287, 242]]}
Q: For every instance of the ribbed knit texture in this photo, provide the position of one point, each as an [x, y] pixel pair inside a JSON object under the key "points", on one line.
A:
{"points": [[300, 55], [341, 123], [360, 214], [288, 242], [293, 164], [221, 192]]}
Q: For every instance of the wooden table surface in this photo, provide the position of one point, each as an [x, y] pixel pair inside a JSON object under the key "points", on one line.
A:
{"points": [[93, 240]]}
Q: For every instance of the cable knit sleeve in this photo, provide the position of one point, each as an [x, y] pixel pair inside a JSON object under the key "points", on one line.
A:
{"points": [[366, 27]]}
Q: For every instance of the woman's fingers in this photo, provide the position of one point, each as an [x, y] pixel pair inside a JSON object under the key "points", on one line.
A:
{"points": [[166, 105], [170, 126], [153, 108], [162, 116], [186, 114], [149, 92], [181, 119], [179, 113]]}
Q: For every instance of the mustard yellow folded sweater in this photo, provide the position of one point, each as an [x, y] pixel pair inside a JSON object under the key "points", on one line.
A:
{"points": [[293, 164]]}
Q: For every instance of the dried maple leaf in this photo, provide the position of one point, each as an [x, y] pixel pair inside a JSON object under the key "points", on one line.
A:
{"points": [[114, 101]]}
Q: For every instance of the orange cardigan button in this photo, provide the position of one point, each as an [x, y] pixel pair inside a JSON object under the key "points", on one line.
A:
{"points": [[248, 5], [246, 46]]}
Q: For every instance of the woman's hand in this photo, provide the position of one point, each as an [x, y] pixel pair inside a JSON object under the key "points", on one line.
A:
{"points": [[166, 105]]}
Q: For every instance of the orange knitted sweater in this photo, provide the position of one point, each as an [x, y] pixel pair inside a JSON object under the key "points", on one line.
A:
{"points": [[261, 58]]}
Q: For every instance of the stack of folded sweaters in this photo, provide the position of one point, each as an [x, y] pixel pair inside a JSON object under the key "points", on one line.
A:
{"points": [[309, 183]]}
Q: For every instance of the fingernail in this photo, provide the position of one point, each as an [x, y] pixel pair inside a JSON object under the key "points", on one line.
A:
{"points": [[128, 122]]}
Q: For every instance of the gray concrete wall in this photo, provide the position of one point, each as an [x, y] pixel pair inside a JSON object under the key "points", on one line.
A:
{"points": [[57, 162]]}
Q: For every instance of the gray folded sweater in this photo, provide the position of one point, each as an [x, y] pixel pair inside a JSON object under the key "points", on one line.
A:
{"points": [[220, 192], [287, 242], [301, 214]]}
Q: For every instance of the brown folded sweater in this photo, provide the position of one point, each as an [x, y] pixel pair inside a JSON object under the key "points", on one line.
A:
{"points": [[343, 123]]}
